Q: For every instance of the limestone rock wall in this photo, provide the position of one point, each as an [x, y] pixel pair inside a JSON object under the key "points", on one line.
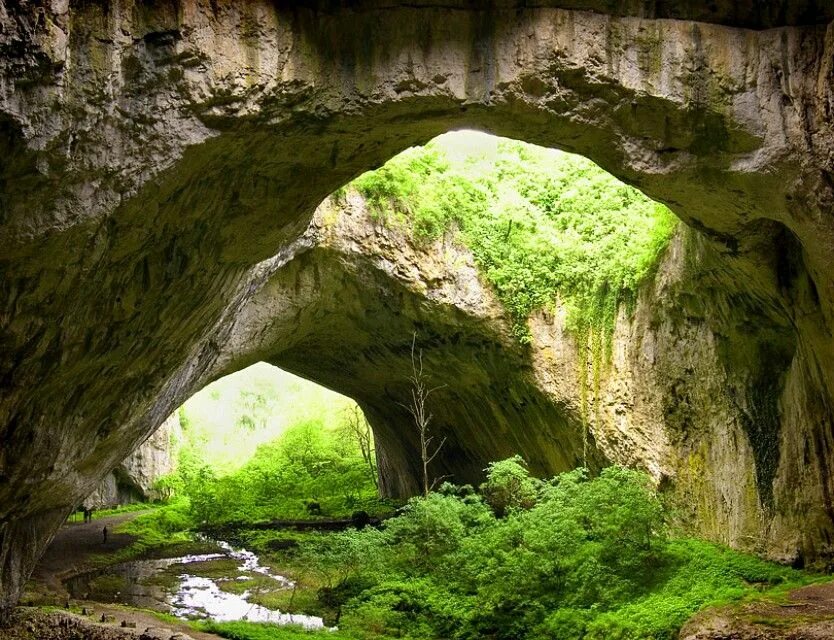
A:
{"points": [[160, 160], [700, 385], [134, 478]]}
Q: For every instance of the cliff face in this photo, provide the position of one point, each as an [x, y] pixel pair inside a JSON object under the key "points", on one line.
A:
{"points": [[161, 160], [696, 386], [133, 480]]}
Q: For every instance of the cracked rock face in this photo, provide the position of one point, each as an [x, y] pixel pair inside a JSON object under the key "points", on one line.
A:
{"points": [[161, 161], [134, 479]]}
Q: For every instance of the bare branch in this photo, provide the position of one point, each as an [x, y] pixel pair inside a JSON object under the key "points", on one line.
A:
{"points": [[419, 394], [436, 451], [438, 480]]}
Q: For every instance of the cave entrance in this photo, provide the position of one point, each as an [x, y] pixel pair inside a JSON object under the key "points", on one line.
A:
{"points": [[263, 444], [486, 252]]}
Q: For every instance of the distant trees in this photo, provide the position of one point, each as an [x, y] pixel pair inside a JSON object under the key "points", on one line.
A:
{"points": [[308, 463], [358, 430], [254, 410]]}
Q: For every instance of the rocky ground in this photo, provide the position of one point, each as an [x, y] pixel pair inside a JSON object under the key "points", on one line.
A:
{"points": [[805, 614], [73, 551], [38, 624]]}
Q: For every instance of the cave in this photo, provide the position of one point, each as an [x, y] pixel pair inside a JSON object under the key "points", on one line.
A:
{"points": [[162, 163]]}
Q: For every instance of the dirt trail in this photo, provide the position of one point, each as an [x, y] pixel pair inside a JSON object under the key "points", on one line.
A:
{"points": [[74, 546], [72, 552], [806, 613]]}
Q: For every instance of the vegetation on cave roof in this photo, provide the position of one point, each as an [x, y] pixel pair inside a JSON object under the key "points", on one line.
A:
{"points": [[543, 225]]}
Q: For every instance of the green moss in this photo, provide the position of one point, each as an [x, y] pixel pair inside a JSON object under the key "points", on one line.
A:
{"points": [[650, 51], [214, 569], [541, 224]]}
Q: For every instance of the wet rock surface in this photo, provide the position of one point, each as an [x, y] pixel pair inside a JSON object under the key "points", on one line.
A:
{"points": [[160, 163]]}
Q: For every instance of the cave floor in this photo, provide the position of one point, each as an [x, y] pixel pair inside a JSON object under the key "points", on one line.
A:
{"points": [[806, 613], [77, 548], [74, 549]]}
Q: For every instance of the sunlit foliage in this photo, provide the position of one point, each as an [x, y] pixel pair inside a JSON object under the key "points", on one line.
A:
{"points": [[542, 224]]}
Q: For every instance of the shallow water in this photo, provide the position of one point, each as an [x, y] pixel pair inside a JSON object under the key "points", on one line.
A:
{"points": [[150, 584]]}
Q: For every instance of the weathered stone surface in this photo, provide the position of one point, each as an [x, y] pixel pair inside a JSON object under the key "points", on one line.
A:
{"points": [[133, 480], [343, 312], [807, 614], [682, 391], [160, 160]]}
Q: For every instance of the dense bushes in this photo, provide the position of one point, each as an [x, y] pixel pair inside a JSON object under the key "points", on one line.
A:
{"points": [[586, 558], [509, 486], [307, 465], [540, 223]]}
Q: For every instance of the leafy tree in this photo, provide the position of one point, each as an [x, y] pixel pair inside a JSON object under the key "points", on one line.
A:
{"points": [[357, 431], [509, 486]]}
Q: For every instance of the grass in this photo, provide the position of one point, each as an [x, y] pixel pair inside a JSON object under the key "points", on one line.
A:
{"points": [[136, 507], [162, 532], [401, 599], [698, 575]]}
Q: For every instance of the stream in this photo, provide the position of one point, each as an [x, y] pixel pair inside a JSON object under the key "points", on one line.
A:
{"points": [[189, 587]]}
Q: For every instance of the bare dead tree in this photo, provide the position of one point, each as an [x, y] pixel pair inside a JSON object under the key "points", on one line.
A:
{"points": [[360, 432], [420, 392]]}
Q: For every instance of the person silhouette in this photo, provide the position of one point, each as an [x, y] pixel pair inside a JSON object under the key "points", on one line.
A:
{"points": [[104, 535]]}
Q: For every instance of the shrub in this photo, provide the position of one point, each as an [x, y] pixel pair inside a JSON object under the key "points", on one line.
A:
{"points": [[431, 527], [509, 486]]}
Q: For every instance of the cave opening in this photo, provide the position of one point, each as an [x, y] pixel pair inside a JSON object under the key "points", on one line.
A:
{"points": [[526, 280], [480, 248], [161, 165], [259, 443], [476, 248]]}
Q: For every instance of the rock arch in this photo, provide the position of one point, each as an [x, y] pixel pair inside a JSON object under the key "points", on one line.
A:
{"points": [[160, 160]]}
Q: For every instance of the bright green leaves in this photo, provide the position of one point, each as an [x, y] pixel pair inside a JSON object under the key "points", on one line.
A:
{"points": [[509, 486], [541, 224]]}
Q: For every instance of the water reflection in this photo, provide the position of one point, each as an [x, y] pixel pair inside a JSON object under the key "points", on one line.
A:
{"points": [[143, 583]]}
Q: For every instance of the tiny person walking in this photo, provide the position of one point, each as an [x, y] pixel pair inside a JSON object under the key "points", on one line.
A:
{"points": [[104, 534]]}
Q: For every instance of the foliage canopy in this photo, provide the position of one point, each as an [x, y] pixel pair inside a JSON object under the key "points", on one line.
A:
{"points": [[541, 223]]}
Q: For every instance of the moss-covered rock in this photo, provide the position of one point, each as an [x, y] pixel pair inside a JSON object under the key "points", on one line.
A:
{"points": [[160, 164]]}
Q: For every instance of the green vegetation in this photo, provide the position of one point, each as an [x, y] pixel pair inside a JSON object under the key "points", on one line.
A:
{"points": [[164, 527], [309, 471], [542, 224], [225, 423], [573, 557], [263, 444], [576, 557]]}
